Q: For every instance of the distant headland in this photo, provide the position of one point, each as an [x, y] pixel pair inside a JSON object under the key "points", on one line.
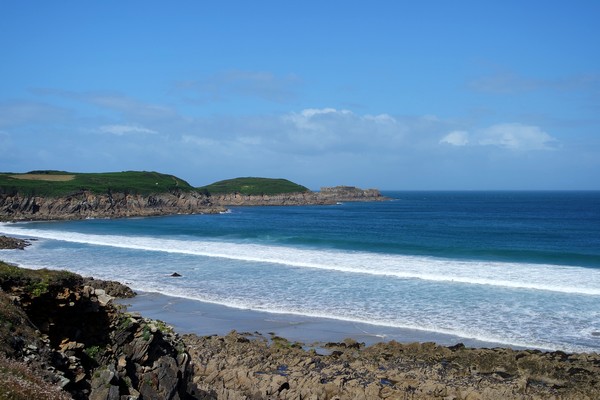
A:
{"points": [[61, 195]]}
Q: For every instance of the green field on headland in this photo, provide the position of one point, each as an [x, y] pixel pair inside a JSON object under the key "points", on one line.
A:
{"points": [[49, 183], [60, 183]]}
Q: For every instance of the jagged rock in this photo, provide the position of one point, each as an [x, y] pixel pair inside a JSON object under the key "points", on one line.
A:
{"points": [[99, 351], [85, 204], [258, 369], [12, 243], [111, 288], [104, 385], [325, 196]]}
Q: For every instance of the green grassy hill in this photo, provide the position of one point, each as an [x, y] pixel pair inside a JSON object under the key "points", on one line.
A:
{"points": [[254, 186], [60, 183]]}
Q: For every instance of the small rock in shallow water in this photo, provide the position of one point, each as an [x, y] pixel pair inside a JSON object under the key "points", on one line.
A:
{"points": [[175, 275]]}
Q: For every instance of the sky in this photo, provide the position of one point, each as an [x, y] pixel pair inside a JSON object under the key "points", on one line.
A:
{"points": [[396, 95]]}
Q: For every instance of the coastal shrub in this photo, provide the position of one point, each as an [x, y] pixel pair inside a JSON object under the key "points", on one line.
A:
{"points": [[93, 351], [254, 186], [14, 326], [35, 281], [146, 334]]}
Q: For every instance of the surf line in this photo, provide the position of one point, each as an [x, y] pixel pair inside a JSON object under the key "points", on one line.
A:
{"points": [[397, 266]]}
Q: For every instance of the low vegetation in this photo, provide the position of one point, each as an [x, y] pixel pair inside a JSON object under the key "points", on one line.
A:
{"points": [[51, 183], [19, 379], [60, 183], [254, 186], [35, 282]]}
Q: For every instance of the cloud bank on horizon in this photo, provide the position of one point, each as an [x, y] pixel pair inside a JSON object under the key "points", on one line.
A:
{"points": [[395, 96]]}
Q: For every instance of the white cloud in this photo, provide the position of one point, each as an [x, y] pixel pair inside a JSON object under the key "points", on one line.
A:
{"points": [[456, 138], [121, 130], [332, 130], [516, 137]]}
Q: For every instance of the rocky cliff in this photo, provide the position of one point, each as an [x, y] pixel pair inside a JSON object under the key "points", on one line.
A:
{"points": [[85, 204], [58, 331], [327, 195]]}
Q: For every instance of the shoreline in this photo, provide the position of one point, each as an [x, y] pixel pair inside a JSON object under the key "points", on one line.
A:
{"points": [[190, 316], [263, 359]]}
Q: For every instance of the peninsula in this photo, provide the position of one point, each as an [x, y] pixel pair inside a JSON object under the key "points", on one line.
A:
{"points": [[60, 195]]}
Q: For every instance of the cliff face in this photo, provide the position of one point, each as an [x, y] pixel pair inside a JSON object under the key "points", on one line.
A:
{"points": [[350, 193], [327, 195], [86, 204], [82, 343], [110, 205]]}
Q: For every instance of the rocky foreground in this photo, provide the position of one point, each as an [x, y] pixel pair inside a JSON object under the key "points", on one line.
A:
{"points": [[62, 337], [247, 366]]}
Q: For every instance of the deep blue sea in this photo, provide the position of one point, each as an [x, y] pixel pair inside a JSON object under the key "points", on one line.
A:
{"points": [[514, 268]]}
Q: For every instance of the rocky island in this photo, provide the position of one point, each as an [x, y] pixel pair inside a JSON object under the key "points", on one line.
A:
{"points": [[56, 195]]}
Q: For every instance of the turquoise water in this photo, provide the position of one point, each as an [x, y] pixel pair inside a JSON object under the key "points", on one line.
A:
{"points": [[514, 268]]}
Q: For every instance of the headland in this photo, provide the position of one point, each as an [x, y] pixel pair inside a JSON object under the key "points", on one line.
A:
{"points": [[58, 195]]}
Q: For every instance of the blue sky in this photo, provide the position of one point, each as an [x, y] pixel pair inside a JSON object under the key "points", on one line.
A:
{"points": [[387, 94]]}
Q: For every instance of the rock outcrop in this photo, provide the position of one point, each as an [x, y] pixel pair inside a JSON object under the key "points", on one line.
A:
{"points": [[86, 345], [327, 195], [12, 243], [247, 366], [85, 204]]}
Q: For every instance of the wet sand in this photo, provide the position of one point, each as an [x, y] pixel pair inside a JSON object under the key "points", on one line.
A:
{"points": [[201, 318]]}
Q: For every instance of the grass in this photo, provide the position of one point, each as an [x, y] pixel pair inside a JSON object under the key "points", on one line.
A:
{"points": [[60, 183], [50, 183], [254, 186], [36, 282], [19, 380], [45, 177]]}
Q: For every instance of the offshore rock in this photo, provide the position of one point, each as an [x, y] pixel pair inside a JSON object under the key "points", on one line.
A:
{"points": [[12, 243]]}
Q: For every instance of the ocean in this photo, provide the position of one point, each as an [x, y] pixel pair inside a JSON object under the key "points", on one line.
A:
{"points": [[518, 269]]}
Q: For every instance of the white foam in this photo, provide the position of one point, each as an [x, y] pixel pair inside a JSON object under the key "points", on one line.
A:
{"points": [[475, 334], [524, 322], [555, 278]]}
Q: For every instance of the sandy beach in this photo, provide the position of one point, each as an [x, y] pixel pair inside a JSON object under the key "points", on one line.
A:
{"points": [[201, 318]]}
